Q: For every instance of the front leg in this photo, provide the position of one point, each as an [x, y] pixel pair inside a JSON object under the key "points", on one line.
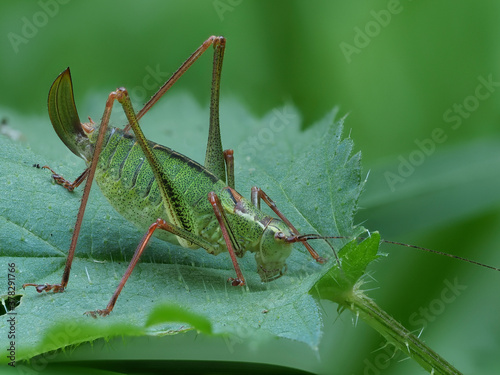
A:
{"points": [[257, 194]]}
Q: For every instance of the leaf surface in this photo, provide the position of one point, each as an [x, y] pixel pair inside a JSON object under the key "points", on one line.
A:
{"points": [[313, 176]]}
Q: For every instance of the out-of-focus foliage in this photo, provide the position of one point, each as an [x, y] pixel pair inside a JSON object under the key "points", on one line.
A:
{"points": [[421, 82]]}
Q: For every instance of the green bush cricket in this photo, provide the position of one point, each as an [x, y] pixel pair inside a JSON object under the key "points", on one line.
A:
{"points": [[155, 187]]}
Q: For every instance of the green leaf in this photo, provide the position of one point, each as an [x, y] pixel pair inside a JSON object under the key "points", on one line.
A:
{"points": [[337, 283], [312, 175], [344, 287]]}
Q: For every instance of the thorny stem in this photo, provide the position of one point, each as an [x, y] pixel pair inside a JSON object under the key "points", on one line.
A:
{"points": [[342, 286], [395, 333]]}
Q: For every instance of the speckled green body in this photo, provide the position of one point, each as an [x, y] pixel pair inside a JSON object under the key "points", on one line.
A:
{"points": [[127, 181], [145, 181]]}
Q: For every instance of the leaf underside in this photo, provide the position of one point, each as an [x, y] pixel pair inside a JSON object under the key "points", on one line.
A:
{"points": [[313, 176]]}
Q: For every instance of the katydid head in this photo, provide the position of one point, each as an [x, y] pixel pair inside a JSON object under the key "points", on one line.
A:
{"points": [[273, 251], [65, 119], [278, 235], [276, 245]]}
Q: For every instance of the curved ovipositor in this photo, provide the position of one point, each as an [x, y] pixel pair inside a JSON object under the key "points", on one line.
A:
{"points": [[63, 113]]}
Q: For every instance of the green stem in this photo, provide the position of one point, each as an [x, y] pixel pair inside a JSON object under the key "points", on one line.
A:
{"points": [[396, 334], [342, 286]]}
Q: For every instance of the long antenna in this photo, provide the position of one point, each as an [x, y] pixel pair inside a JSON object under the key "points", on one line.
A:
{"points": [[307, 237], [442, 253]]}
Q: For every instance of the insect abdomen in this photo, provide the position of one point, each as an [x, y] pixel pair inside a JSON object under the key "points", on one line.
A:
{"points": [[127, 181]]}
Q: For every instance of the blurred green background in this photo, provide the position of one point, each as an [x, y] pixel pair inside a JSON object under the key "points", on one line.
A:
{"points": [[420, 81]]}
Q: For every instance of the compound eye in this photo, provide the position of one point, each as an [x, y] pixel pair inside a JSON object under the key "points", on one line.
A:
{"points": [[279, 236]]}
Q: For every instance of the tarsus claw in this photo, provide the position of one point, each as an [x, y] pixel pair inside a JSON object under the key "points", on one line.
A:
{"points": [[94, 314], [57, 288], [321, 260], [236, 282]]}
